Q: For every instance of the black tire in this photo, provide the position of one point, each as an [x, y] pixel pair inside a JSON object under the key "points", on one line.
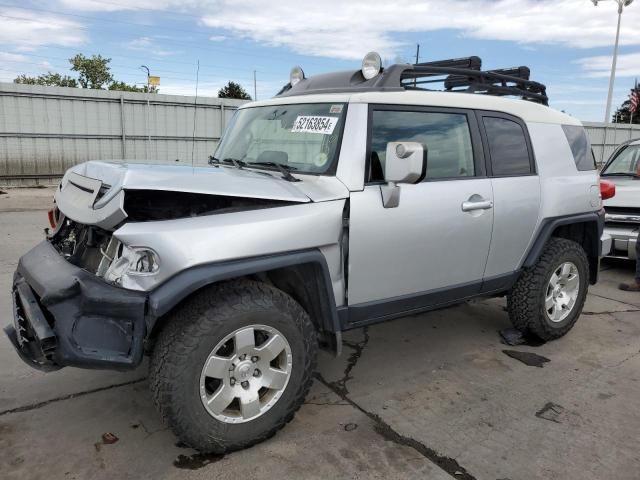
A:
{"points": [[526, 301], [189, 336]]}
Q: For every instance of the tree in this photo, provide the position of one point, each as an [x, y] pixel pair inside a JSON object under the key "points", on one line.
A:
{"points": [[623, 113], [50, 79], [93, 72], [233, 90], [125, 87]]}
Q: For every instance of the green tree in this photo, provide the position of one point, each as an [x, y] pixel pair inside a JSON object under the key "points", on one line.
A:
{"points": [[233, 90], [50, 79], [623, 113], [125, 87], [93, 72]]}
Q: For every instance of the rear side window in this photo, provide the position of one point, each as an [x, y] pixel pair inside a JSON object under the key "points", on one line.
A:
{"points": [[580, 147], [507, 147]]}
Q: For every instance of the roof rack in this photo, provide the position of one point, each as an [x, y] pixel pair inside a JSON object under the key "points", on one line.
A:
{"points": [[465, 75], [453, 75]]}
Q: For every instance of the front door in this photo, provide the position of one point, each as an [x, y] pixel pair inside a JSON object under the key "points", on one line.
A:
{"points": [[432, 248]]}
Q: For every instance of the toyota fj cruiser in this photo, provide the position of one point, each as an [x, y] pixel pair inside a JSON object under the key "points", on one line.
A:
{"points": [[348, 199]]}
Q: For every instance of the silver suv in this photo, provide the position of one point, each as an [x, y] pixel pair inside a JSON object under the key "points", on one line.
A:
{"points": [[349, 199]]}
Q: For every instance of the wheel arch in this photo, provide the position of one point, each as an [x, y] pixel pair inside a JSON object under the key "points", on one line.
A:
{"points": [[584, 229], [302, 274]]}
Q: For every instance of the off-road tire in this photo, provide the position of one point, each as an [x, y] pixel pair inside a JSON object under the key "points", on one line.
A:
{"points": [[193, 331], [525, 302]]}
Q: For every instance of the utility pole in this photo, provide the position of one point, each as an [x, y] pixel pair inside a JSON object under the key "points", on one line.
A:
{"points": [[415, 80], [146, 153], [255, 90], [612, 78]]}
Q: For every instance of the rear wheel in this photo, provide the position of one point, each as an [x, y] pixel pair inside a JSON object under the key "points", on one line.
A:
{"points": [[233, 365], [548, 298]]}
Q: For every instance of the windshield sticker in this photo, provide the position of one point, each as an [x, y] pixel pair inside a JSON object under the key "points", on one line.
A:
{"points": [[313, 124], [335, 109]]}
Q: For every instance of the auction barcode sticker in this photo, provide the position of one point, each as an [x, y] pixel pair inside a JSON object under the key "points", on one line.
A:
{"points": [[314, 124]]}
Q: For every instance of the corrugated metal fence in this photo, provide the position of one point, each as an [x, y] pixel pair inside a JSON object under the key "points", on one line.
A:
{"points": [[605, 137], [46, 130]]}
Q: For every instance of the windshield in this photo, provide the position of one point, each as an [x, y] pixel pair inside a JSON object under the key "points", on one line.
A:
{"points": [[300, 137], [627, 162]]}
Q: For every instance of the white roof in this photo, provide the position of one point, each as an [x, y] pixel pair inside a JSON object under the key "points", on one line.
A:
{"points": [[526, 110]]}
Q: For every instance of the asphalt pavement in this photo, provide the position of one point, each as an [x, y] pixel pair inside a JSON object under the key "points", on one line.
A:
{"points": [[434, 395]]}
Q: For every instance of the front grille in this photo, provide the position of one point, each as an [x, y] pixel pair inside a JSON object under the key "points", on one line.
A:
{"points": [[622, 210], [622, 217]]}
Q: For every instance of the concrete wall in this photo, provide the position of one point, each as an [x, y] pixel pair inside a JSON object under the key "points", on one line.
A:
{"points": [[45, 130]]}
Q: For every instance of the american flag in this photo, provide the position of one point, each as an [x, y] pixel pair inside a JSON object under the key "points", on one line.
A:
{"points": [[635, 100]]}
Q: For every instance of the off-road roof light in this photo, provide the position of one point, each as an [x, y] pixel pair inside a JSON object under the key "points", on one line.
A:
{"points": [[371, 65], [296, 75]]}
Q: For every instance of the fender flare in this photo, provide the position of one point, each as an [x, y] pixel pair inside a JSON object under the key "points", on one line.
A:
{"points": [[162, 299], [548, 226]]}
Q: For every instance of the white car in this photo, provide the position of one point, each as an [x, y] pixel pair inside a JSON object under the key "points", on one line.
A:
{"points": [[622, 219]]}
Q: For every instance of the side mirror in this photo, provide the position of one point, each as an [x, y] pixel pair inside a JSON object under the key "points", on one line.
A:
{"points": [[406, 162]]}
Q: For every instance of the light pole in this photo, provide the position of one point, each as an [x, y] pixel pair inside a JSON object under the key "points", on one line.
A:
{"points": [[621, 5], [144, 67]]}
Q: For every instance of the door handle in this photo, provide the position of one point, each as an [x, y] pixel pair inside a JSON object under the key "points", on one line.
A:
{"points": [[481, 204]]}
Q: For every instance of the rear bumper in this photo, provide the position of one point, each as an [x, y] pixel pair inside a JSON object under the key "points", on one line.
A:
{"points": [[623, 241], [66, 316]]}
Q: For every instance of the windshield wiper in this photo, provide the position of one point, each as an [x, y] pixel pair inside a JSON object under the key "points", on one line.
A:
{"points": [[620, 174], [285, 170], [236, 163]]}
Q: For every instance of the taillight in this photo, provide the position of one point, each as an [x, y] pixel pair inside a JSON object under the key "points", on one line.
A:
{"points": [[607, 189], [53, 221]]}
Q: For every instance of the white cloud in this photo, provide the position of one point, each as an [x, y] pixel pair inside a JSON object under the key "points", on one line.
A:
{"points": [[600, 66], [150, 46], [116, 5], [349, 29], [28, 30], [336, 28], [13, 65]]}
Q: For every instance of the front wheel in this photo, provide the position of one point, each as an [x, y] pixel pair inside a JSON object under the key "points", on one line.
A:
{"points": [[233, 365], [548, 298]]}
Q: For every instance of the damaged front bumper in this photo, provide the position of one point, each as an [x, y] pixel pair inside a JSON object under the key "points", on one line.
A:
{"points": [[66, 316]]}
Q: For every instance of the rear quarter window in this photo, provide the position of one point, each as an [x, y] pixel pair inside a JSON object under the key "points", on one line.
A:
{"points": [[507, 147], [580, 147]]}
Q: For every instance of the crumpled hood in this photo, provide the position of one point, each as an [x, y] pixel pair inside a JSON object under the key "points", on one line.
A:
{"points": [[93, 192], [182, 178], [627, 193]]}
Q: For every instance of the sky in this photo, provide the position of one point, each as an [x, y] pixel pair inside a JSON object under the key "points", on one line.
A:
{"points": [[567, 44]]}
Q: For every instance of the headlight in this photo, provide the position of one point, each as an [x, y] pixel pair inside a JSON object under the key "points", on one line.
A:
{"points": [[132, 261]]}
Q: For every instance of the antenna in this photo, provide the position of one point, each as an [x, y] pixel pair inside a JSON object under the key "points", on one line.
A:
{"points": [[195, 111]]}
